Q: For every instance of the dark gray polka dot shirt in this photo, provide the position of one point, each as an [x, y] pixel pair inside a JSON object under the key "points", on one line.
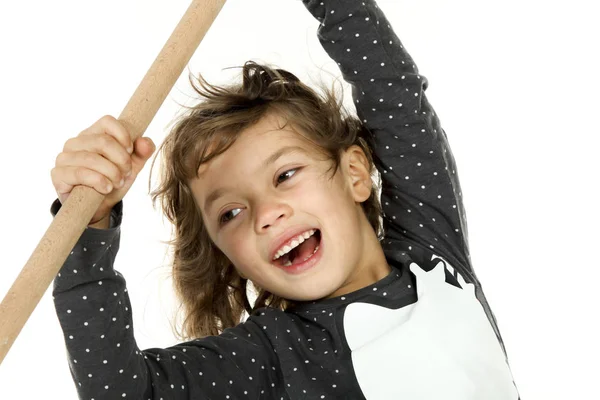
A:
{"points": [[423, 332]]}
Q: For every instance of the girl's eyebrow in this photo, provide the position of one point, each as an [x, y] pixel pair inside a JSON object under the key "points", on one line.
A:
{"points": [[281, 152], [215, 194], [212, 197]]}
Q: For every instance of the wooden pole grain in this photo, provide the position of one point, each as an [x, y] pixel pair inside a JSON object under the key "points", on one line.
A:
{"points": [[79, 208]]}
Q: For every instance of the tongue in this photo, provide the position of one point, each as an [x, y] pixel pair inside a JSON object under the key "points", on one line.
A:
{"points": [[304, 250]]}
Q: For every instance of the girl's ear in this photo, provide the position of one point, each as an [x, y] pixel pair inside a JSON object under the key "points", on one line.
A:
{"points": [[356, 165]]}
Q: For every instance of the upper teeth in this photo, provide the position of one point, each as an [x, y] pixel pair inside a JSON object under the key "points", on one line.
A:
{"points": [[295, 242]]}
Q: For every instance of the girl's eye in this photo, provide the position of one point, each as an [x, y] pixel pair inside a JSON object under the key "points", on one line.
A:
{"points": [[223, 218], [286, 174]]}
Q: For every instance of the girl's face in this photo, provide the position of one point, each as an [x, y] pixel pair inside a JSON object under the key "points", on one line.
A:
{"points": [[269, 186]]}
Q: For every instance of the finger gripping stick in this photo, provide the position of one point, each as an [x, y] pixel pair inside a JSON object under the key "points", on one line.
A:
{"points": [[79, 208]]}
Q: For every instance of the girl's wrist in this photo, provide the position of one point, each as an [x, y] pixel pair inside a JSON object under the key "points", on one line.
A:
{"points": [[103, 223]]}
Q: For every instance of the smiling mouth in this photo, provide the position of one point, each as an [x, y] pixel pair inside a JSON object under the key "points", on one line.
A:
{"points": [[300, 253]]}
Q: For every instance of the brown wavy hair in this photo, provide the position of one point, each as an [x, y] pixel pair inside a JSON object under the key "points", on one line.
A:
{"points": [[213, 295]]}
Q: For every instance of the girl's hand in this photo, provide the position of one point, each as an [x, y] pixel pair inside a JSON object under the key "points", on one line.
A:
{"points": [[104, 158]]}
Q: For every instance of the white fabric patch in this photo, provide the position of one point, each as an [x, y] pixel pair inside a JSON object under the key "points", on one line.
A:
{"points": [[441, 347]]}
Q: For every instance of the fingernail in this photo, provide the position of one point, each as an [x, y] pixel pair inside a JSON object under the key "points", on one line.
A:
{"points": [[122, 182], [130, 150], [108, 187], [128, 174]]}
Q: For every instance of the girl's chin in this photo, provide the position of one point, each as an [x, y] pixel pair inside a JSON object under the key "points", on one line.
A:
{"points": [[310, 292]]}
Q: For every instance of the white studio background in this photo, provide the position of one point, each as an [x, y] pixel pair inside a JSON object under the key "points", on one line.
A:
{"points": [[514, 83]]}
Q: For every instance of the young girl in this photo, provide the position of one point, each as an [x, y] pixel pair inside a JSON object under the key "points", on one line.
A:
{"points": [[268, 183]]}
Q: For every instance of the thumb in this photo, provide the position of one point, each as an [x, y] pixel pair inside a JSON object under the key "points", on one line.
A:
{"points": [[143, 149]]}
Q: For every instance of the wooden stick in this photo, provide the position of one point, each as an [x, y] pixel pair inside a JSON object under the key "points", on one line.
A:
{"points": [[79, 208]]}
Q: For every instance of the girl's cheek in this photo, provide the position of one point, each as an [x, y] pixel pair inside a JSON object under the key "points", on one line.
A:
{"points": [[309, 188], [237, 243]]}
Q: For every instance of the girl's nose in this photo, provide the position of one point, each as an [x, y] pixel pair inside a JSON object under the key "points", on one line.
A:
{"points": [[271, 214]]}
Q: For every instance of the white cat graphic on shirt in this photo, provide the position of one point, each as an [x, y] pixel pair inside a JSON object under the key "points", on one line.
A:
{"points": [[441, 347]]}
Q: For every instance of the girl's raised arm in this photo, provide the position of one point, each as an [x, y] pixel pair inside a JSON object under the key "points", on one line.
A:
{"points": [[421, 195]]}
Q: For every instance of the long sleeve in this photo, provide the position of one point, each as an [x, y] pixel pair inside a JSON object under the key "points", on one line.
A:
{"points": [[94, 311], [421, 195]]}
